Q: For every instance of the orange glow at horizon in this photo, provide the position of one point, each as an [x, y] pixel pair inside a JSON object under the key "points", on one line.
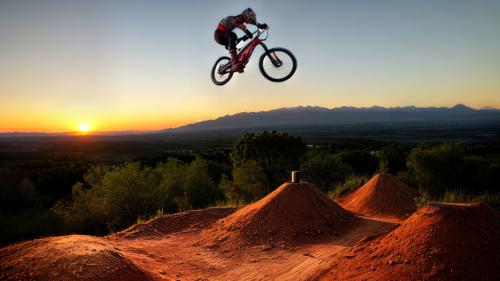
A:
{"points": [[64, 121], [84, 128]]}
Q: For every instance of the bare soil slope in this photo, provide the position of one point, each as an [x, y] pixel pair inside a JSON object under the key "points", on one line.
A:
{"points": [[295, 233], [73, 257], [166, 225], [290, 215], [383, 195], [438, 242]]}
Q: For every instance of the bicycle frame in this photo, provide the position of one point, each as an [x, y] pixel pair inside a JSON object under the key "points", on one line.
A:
{"points": [[246, 52], [223, 69]]}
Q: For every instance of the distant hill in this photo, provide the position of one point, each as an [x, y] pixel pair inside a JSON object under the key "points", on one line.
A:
{"points": [[324, 117], [315, 125]]}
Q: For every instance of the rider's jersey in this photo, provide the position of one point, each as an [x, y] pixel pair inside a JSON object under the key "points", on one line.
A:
{"points": [[232, 22]]}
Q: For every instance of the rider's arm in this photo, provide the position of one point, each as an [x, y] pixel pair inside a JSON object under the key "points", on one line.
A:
{"points": [[244, 28]]}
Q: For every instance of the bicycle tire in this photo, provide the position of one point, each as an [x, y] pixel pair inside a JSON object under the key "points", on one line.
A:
{"points": [[282, 50], [214, 70]]}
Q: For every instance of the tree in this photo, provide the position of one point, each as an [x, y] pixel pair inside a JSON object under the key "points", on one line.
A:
{"points": [[249, 183], [171, 189], [439, 168], [324, 169], [199, 188], [363, 162], [129, 193], [275, 153], [393, 158], [17, 191]]}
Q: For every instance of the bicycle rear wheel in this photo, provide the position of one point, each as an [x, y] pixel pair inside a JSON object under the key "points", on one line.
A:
{"points": [[277, 64], [221, 71]]}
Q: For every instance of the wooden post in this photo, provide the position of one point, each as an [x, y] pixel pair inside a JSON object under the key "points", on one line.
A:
{"points": [[295, 176]]}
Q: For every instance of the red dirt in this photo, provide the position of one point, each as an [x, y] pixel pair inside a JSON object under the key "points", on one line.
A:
{"points": [[73, 257], [383, 195], [166, 225], [290, 215], [438, 242], [430, 243]]}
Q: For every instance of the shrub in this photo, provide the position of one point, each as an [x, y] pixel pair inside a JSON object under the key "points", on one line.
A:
{"points": [[349, 185], [115, 197], [363, 162], [324, 169], [275, 153], [249, 183], [393, 158], [29, 224], [438, 169], [199, 189]]}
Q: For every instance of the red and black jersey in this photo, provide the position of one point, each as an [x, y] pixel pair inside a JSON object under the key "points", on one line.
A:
{"points": [[232, 22]]}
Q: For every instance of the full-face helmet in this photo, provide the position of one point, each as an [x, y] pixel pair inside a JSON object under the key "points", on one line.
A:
{"points": [[249, 15]]}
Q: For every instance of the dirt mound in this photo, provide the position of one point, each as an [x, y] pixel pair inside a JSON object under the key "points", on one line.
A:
{"points": [[383, 195], [73, 257], [438, 242], [169, 224], [292, 214]]}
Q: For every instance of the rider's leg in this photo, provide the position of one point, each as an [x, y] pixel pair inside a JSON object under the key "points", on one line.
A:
{"points": [[235, 63]]}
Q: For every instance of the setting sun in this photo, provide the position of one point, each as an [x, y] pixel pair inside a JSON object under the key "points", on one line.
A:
{"points": [[84, 128]]}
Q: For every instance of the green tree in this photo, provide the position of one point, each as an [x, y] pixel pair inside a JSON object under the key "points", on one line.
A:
{"points": [[249, 183], [275, 153], [112, 198], [363, 162], [393, 158], [87, 212], [129, 192], [324, 169], [199, 188], [171, 189], [439, 168]]}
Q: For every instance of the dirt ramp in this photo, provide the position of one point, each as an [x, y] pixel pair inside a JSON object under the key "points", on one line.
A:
{"points": [[74, 257], [383, 195], [169, 224], [438, 242], [292, 214]]}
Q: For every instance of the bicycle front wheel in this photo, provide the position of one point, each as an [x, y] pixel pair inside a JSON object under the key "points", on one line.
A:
{"points": [[277, 64]]}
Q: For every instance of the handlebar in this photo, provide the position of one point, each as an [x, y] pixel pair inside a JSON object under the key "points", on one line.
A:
{"points": [[259, 31]]}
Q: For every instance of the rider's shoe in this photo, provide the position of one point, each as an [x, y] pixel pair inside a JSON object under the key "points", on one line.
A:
{"points": [[236, 65]]}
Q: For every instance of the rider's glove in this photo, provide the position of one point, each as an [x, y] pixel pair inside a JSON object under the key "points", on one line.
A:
{"points": [[262, 25], [249, 34]]}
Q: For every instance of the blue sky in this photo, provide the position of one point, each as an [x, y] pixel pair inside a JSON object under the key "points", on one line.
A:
{"points": [[145, 64]]}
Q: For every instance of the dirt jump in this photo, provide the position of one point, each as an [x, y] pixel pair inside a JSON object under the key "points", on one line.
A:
{"points": [[294, 233], [290, 215], [383, 195], [73, 257], [438, 242]]}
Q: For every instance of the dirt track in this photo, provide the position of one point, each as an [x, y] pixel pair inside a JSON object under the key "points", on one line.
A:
{"points": [[173, 255], [173, 248]]}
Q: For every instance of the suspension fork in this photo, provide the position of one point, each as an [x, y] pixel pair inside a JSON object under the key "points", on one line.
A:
{"points": [[272, 56]]}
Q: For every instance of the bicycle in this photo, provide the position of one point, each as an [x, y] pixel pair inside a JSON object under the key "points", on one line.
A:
{"points": [[275, 64]]}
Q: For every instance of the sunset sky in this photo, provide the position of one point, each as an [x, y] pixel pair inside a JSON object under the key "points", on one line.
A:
{"points": [[143, 65]]}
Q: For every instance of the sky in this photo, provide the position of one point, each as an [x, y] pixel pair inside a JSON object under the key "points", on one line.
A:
{"points": [[145, 65]]}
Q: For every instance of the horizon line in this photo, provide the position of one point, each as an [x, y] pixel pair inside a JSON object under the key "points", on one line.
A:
{"points": [[137, 131]]}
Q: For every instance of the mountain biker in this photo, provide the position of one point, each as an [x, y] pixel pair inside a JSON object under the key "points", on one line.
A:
{"points": [[224, 34]]}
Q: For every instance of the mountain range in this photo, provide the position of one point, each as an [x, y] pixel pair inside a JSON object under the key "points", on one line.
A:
{"points": [[314, 116], [307, 120]]}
